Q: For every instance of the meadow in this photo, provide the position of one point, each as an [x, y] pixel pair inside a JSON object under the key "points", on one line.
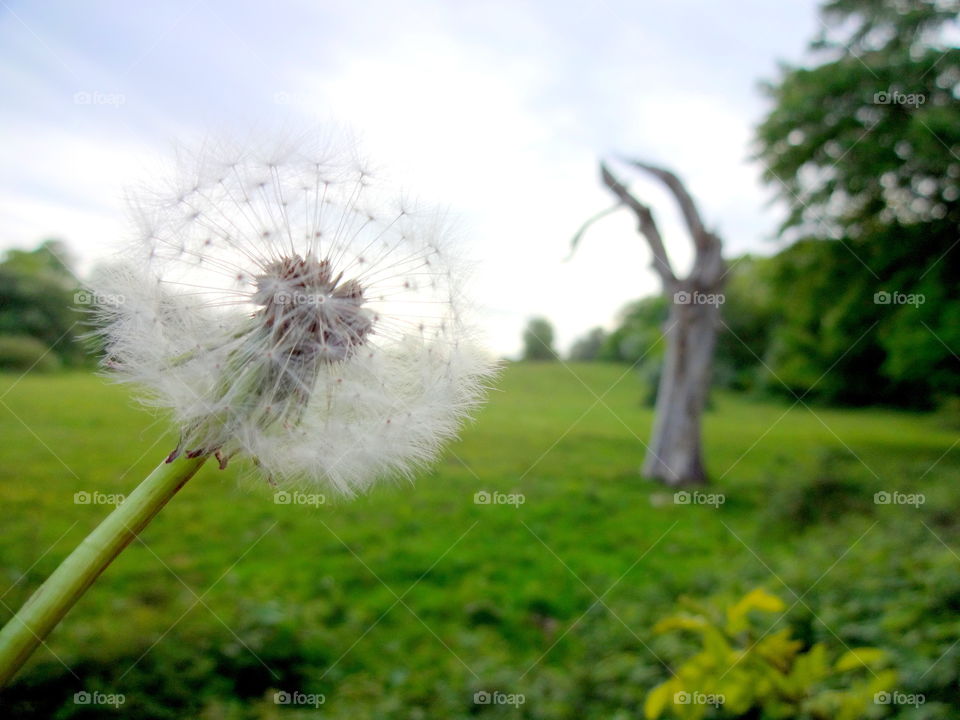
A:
{"points": [[409, 601]]}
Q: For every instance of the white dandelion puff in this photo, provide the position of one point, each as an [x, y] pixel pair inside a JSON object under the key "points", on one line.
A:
{"points": [[282, 308]]}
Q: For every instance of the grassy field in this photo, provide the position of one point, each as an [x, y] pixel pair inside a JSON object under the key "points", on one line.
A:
{"points": [[406, 602]]}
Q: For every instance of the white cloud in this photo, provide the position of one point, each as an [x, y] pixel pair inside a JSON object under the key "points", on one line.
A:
{"points": [[54, 183]]}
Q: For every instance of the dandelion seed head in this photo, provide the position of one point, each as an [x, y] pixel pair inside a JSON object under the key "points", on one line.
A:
{"points": [[283, 307]]}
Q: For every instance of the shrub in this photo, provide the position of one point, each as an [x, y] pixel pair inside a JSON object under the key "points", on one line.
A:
{"points": [[744, 669], [21, 352]]}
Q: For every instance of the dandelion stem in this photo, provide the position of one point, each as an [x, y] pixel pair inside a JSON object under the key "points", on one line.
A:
{"points": [[54, 598]]}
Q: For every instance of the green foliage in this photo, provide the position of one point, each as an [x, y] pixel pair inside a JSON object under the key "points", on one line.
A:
{"points": [[637, 337], [480, 590], [747, 317], [835, 485], [588, 347], [37, 299], [538, 340], [22, 352], [863, 149], [743, 668], [638, 340]]}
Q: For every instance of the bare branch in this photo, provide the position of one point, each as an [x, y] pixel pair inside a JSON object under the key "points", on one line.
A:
{"points": [[583, 228], [688, 207], [647, 226]]}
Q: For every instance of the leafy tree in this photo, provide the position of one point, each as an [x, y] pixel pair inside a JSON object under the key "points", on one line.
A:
{"points": [[588, 347], [638, 332], [750, 313], [864, 149], [37, 299], [538, 340]]}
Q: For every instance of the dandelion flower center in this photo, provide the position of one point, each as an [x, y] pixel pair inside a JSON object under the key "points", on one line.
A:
{"points": [[311, 314]]}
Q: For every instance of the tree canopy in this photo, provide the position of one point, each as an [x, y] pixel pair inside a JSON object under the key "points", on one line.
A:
{"points": [[538, 340], [38, 307], [863, 147]]}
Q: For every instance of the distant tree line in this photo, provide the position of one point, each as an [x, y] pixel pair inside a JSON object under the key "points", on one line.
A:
{"points": [[796, 324]]}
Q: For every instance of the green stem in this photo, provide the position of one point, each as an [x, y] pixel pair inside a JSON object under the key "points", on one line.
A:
{"points": [[47, 606]]}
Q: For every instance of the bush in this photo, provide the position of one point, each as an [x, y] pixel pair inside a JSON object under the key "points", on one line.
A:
{"points": [[20, 352], [742, 669]]}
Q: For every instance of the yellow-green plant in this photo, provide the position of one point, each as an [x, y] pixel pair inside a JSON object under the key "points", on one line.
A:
{"points": [[742, 667]]}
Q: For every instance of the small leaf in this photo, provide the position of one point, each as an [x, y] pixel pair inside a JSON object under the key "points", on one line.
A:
{"points": [[778, 649], [657, 700], [680, 622], [757, 599], [861, 657]]}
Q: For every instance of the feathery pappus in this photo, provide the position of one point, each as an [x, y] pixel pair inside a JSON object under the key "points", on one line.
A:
{"points": [[283, 307]]}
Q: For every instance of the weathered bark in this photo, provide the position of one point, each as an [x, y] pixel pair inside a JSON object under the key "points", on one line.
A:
{"points": [[674, 455]]}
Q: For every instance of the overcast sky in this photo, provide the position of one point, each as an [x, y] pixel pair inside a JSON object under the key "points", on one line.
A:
{"points": [[497, 110]]}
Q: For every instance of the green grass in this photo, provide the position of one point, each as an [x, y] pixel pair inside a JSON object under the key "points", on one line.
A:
{"points": [[403, 603]]}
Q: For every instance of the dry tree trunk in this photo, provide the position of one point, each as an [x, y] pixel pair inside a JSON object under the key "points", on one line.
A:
{"points": [[674, 455]]}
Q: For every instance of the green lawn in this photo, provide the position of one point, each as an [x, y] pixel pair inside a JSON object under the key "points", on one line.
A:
{"points": [[404, 603]]}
